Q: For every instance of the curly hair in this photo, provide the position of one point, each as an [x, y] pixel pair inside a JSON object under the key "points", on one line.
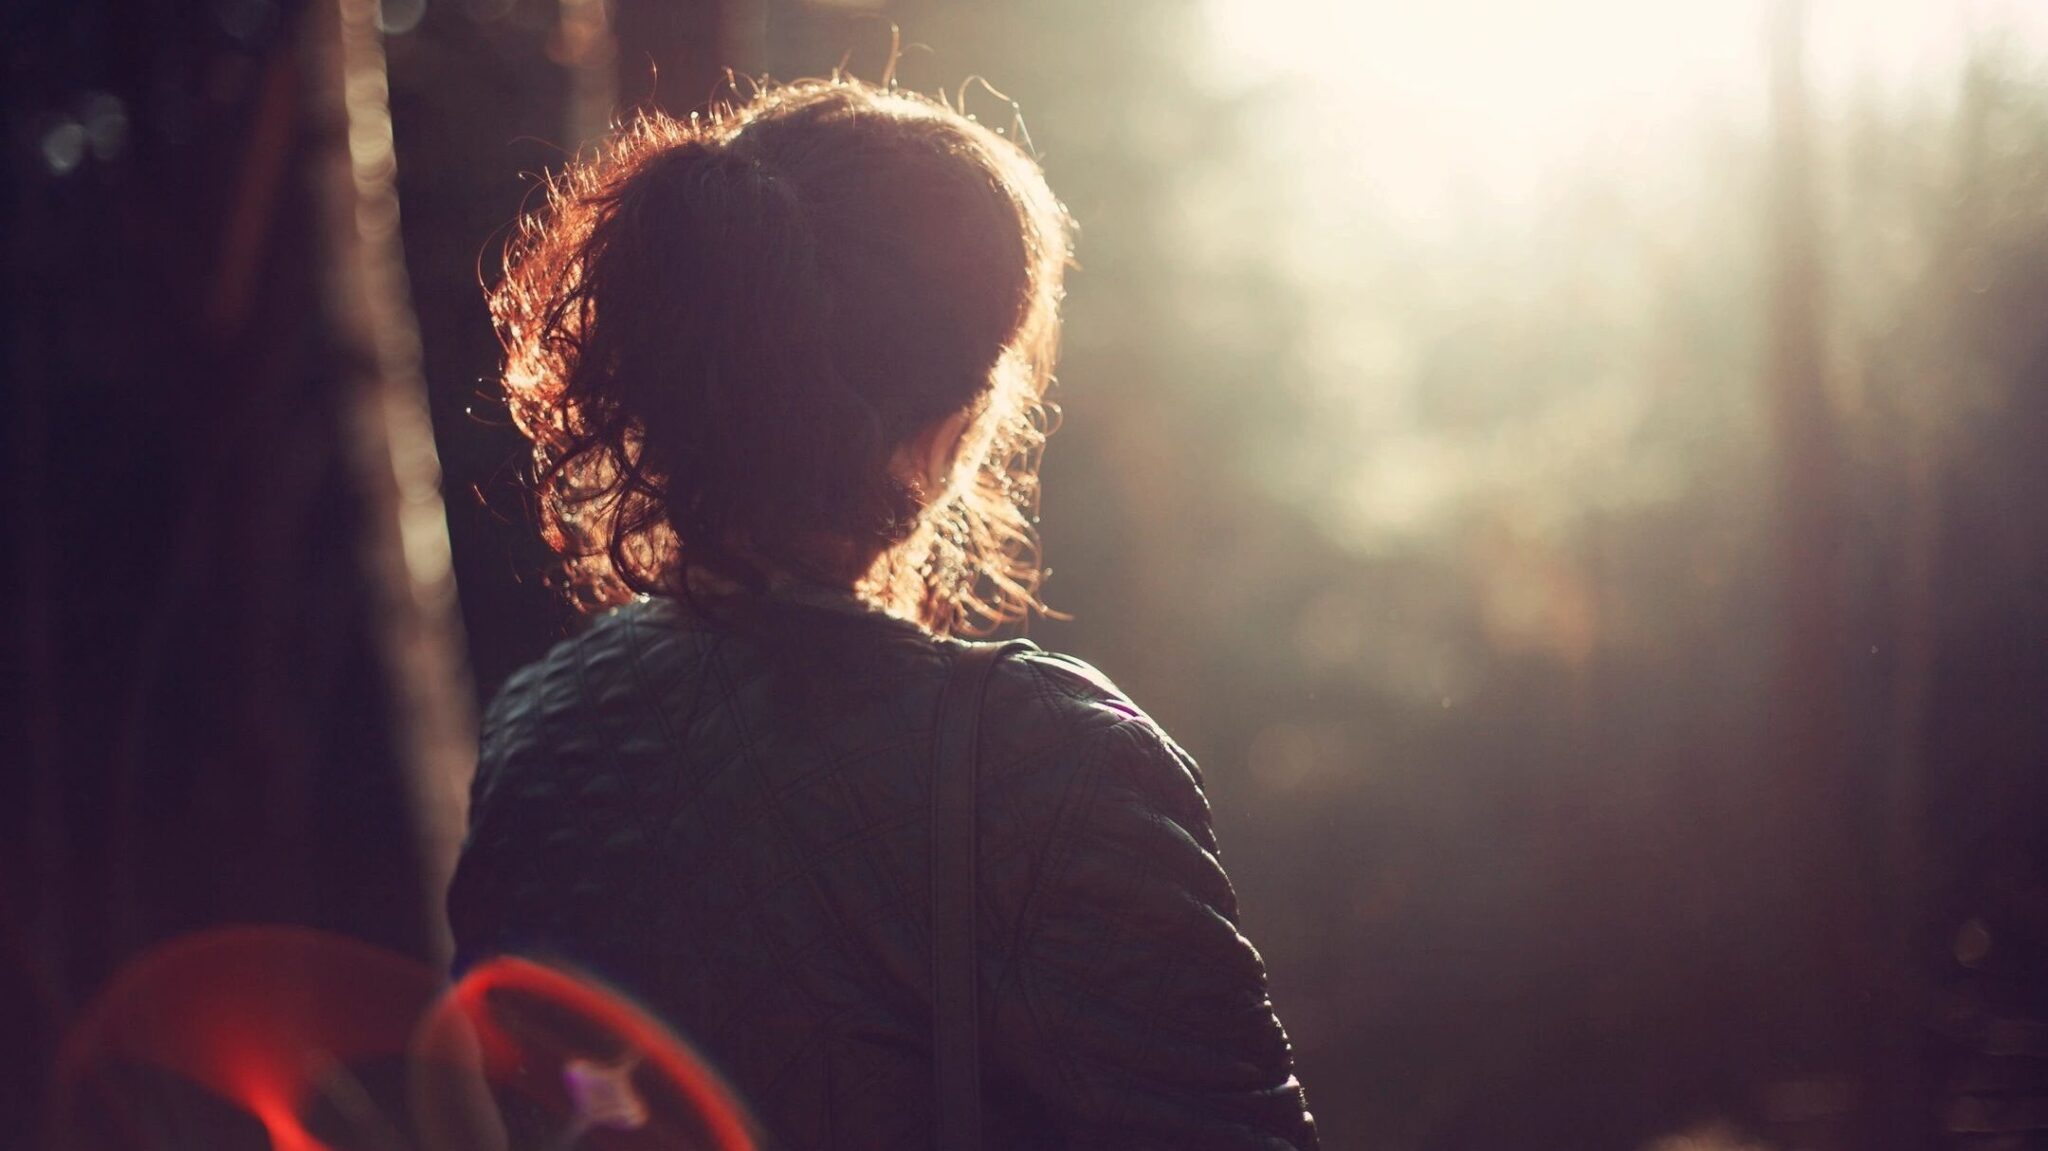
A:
{"points": [[719, 331]]}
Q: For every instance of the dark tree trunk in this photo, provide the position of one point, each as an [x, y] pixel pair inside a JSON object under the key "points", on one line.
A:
{"points": [[206, 730]]}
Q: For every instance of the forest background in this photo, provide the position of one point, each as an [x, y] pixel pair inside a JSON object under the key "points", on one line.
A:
{"points": [[1572, 480]]}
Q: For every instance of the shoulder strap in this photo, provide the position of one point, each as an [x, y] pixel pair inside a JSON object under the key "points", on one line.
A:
{"points": [[956, 1013]]}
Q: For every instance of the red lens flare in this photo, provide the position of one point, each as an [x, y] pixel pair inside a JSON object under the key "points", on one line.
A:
{"points": [[517, 1054], [259, 1016], [558, 1050]]}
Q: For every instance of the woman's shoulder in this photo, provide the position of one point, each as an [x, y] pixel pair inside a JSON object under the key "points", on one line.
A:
{"points": [[1038, 703], [1044, 704], [1061, 689]]}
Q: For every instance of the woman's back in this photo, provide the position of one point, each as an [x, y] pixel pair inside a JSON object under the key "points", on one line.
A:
{"points": [[804, 343], [731, 821]]}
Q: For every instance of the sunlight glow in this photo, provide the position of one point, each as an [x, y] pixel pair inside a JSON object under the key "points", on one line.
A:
{"points": [[1523, 238], [1479, 103]]}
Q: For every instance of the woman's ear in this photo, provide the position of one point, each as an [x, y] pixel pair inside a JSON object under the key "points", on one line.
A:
{"points": [[926, 462]]}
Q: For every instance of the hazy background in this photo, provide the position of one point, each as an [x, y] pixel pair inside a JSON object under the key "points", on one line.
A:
{"points": [[1570, 472]]}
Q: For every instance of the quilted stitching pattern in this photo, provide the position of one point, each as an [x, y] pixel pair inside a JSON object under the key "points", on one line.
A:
{"points": [[741, 842]]}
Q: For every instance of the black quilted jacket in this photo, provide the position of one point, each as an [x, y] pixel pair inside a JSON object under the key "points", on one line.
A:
{"points": [[739, 838]]}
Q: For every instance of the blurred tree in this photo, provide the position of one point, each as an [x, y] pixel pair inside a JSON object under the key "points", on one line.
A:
{"points": [[231, 677]]}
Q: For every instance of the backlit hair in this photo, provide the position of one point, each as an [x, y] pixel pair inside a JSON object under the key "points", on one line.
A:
{"points": [[719, 330]]}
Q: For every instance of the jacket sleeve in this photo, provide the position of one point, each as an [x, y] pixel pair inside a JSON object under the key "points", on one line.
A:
{"points": [[1135, 1015]]}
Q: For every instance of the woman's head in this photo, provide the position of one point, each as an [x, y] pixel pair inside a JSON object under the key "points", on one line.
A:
{"points": [[736, 341]]}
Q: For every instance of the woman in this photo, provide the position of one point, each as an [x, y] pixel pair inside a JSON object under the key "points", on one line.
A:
{"points": [[782, 371]]}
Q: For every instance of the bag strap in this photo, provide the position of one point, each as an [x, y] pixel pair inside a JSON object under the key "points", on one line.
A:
{"points": [[956, 1012]]}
